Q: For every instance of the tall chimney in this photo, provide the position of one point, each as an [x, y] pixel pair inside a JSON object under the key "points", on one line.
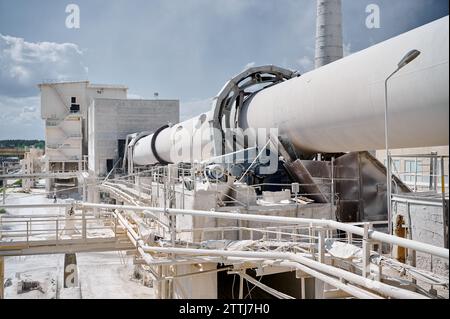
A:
{"points": [[329, 46]]}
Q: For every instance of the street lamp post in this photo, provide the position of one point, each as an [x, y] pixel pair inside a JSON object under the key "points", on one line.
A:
{"points": [[408, 58]]}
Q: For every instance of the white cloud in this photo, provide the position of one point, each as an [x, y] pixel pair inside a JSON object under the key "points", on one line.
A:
{"points": [[24, 64], [20, 118]]}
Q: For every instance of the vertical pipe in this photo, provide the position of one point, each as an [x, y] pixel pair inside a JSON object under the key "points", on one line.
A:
{"points": [[319, 286], [436, 177], [329, 47], [57, 228], [415, 175], [386, 142], [183, 192], [321, 245], [332, 186], [193, 177], [2, 277], [83, 227], [380, 265], [388, 162], [157, 186], [241, 286], [4, 191], [366, 252], [444, 204], [431, 186]]}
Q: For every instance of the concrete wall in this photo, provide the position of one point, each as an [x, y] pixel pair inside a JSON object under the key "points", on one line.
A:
{"points": [[113, 119], [65, 130], [56, 97], [425, 223], [202, 286]]}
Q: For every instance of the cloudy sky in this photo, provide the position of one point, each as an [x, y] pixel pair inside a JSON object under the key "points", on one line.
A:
{"points": [[183, 49]]}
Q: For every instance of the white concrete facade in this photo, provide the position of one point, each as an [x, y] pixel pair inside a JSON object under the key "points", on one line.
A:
{"points": [[64, 107], [111, 120], [31, 164]]}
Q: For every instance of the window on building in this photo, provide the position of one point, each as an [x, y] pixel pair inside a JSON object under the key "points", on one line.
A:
{"points": [[410, 171], [410, 166], [74, 108]]}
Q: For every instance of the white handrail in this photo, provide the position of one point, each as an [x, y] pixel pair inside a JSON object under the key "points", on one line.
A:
{"points": [[374, 235], [364, 282]]}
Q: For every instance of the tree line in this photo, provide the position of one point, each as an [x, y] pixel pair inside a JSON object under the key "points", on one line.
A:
{"points": [[21, 144]]}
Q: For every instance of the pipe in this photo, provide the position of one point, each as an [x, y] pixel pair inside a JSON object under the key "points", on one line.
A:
{"points": [[35, 205], [352, 290], [300, 263], [364, 282], [2, 277], [338, 107], [374, 235], [408, 200], [138, 243]]}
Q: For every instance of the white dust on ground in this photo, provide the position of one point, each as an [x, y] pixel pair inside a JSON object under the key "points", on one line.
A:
{"points": [[106, 275]]}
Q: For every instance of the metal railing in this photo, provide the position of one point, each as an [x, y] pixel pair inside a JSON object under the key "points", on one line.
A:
{"points": [[422, 172], [32, 229], [163, 182], [296, 242]]}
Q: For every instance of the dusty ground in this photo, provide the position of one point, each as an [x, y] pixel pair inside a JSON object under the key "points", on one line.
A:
{"points": [[102, 275]]}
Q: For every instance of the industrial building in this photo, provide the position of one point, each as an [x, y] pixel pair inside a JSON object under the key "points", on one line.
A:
{"points": [[64, 107], [87, 126], [111, 121], [273, 193]]}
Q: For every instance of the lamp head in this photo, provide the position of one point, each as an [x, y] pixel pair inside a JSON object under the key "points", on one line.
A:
{"points": [[408, 58]]}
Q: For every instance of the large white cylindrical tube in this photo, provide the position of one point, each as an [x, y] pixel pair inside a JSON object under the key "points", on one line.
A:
{"points": [[340, 107], [183, 142]]}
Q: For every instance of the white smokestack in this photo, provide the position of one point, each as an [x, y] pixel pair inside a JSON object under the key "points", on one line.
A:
{"points": [[329, 46]]}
